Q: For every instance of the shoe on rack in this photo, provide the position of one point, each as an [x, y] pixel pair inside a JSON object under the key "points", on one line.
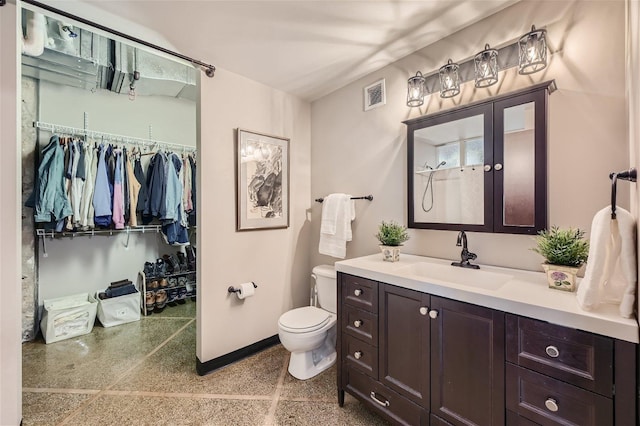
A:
{"points": [[163, 283], [172, 263], [160, 267], [182, 294], [184, 266], [172, 296], [149, 270], [153, 284], [161, 299], [182, 281], [173, 281], [150, 301], [191, 257]]}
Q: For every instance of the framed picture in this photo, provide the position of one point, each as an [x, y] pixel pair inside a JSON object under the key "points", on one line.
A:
{"points": [[262, 181]]}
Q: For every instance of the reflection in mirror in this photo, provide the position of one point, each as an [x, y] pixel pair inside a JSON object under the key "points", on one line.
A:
{"points": [[519, 165], [448, 172]]}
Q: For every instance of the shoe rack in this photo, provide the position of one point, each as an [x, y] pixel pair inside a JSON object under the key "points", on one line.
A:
{"points": [[183, 283]]}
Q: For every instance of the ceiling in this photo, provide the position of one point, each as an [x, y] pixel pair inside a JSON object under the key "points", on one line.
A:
{"points": [[306, 48]]}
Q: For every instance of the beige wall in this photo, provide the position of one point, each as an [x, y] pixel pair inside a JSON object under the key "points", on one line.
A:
{"points": [[10, 317], [276, 260], [361, 152]]}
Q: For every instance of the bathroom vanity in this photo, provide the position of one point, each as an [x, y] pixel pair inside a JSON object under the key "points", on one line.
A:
{"points": [[424, 343]]}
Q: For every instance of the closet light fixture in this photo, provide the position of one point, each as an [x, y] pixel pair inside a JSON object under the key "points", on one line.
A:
{"points": [[532, 55], [449, 80], [528, 53], [486, 67], [416, 90]]}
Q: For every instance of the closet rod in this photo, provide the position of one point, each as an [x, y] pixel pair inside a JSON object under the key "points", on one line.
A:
{"points": [[111, 136], [208, 69]]}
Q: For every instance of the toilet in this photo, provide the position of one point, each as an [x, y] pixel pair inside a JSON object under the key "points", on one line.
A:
{"points": [[309, 333]]}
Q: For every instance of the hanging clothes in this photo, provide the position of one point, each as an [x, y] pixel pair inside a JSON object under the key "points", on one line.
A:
{"points": [[143, 192], [89, 168], [48, 198], [102, 192], [192, 213], [134, 191], [118, 194]]}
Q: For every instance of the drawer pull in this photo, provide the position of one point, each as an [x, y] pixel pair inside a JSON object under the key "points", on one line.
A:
{"points": [[357, 355], [357, 292], [433, 314], [551, 405], [357, 323], [552, 351], [384, 403], [424, 310]]}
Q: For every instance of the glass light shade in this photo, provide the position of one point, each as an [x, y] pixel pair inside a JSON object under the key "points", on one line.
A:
{"points": [[449, 80], [532, 49], [415, 90], [486, 67]]}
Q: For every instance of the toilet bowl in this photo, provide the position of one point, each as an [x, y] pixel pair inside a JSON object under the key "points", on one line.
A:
{"points": [[309, 333]]}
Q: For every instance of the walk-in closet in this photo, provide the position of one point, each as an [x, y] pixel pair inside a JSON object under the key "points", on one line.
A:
{"points": [[109, 220]]}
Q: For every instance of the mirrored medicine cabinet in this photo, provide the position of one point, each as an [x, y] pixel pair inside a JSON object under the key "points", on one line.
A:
{"points": [[481, 167]]}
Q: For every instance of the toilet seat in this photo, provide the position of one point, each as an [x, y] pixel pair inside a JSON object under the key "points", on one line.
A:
{"points": [[304, 320]]}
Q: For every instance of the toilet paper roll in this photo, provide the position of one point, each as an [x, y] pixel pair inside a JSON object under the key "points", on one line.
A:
{"points": [[245, 290]]}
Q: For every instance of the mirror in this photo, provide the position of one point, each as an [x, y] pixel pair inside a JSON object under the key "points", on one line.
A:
{"points": [[480, 167]]}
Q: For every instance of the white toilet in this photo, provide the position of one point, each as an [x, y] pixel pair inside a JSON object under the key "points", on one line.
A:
{"points": [[309, 333]]}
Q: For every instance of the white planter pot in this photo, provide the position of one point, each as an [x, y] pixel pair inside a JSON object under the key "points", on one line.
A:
{"points": [[390, 253], [561, 277]]}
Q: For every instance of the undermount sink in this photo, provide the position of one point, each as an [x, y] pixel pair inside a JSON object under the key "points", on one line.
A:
{"points": [[453, 274]]}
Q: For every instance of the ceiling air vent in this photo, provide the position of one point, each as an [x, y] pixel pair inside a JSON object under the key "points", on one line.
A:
{"points": [[375, 95]]}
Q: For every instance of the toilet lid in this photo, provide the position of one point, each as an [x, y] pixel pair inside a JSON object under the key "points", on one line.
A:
{"points": [[302, 320]]}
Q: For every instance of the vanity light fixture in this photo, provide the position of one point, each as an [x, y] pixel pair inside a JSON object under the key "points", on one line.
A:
{"points": [[528, 53], [486, 67], [532, 56], [449, 80], [416, 90]]}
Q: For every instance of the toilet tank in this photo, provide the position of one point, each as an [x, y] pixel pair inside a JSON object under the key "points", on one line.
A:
{"points": [[326, 286]]}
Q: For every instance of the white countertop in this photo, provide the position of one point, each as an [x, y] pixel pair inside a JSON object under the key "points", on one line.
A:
{"points": [[524, 293]]}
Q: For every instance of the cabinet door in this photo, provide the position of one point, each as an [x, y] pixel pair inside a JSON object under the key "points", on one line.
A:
{"points": [[404, 342], [467, 363]]}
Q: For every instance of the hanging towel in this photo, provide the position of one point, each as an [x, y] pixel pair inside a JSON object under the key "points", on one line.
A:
{"points": [[611, 274], [338, 210]]}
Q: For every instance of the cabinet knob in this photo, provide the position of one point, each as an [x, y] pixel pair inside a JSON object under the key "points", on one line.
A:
{"points": [[551, 404], [552, 351], [433, 314], [357, 292], [384, 403], [498, 166], [357, 323], [424, 310], [487, 167], [357, 355]]}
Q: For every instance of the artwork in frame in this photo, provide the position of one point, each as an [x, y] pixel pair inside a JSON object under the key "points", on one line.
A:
{"points": [[262, 181]]}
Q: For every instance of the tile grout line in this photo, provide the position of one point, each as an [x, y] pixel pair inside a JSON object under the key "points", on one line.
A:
{"points": [[123, 375], [270, 419]]}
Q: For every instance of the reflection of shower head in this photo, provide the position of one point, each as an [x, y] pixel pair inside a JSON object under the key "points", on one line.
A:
{"points": [[428, 167], [442, 163]]}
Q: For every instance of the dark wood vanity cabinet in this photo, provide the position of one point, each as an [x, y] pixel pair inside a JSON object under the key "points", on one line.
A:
{"points": [[419, 359], [435, 361]]}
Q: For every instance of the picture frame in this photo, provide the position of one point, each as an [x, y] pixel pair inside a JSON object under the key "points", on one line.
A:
{"points": [[262, 181]]}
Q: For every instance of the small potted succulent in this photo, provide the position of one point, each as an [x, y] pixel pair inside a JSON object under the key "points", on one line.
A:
{"points": [[391, 236], [565, 250]]}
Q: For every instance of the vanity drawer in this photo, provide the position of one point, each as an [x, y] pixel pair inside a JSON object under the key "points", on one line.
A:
{"points": [[548, 401], [574, 356], [360, 356], [360, 292], [385, 401], [360, 324]]}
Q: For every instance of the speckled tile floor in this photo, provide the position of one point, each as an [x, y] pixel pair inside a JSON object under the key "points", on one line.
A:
{"points": [[143, 373]]}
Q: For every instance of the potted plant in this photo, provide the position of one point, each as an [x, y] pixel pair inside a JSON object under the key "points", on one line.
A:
{"points": [[565, 250], [391, 236]]}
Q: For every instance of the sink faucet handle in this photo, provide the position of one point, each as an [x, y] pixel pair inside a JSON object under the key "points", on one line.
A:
{"points": [[472, 256]]}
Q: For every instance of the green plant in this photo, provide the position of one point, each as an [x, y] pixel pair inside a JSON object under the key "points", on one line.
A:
{"points": [[391, 234], [562, 246]]}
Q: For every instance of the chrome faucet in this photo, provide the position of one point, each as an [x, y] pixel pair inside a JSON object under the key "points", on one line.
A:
{"points": [[465, 255]]}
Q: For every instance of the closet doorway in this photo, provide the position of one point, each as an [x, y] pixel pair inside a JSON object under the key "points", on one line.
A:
{"points": [[96, 108]]}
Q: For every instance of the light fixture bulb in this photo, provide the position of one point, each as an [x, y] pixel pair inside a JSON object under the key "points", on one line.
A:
{"points": [[486, 67], [449, 80]]}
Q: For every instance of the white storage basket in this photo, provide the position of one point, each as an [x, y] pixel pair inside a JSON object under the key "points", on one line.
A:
{"points": [[67, 317], [119, 310]]}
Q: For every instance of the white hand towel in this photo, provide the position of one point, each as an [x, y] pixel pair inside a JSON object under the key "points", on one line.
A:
{"points": [[335, 244], [611, 273]]}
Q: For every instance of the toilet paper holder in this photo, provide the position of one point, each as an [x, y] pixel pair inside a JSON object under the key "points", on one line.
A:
{"points": [[232, 289]]}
